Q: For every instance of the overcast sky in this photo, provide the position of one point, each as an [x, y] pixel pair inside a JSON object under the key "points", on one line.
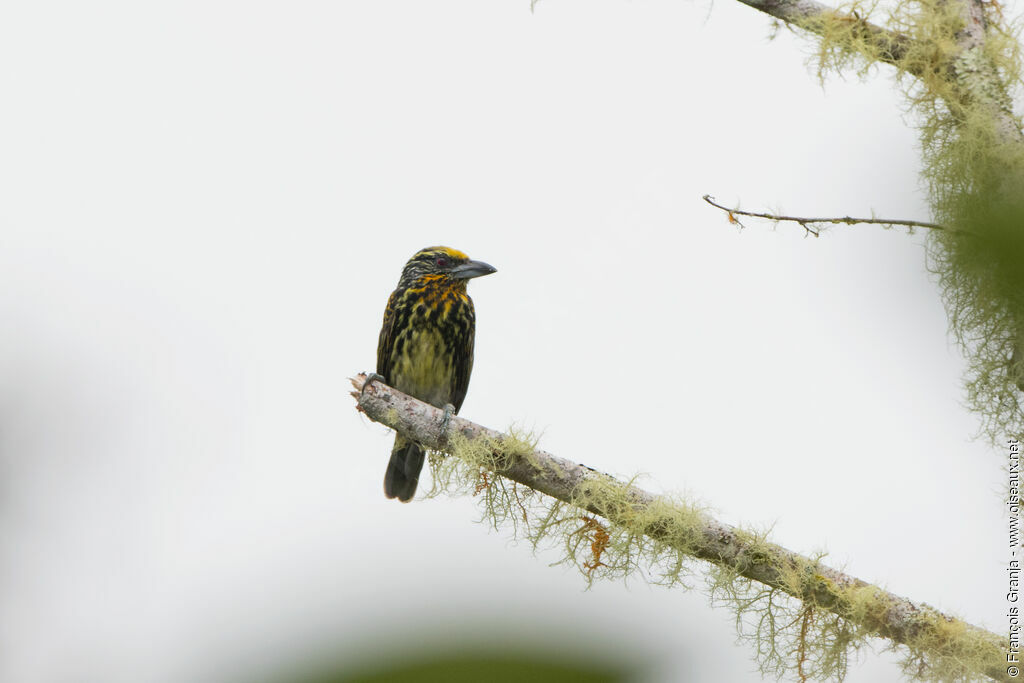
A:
{"points": [[205, 205]]}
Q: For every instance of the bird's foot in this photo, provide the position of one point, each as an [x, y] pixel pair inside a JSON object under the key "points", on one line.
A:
{"points": [[446, 419], [371, 377]]}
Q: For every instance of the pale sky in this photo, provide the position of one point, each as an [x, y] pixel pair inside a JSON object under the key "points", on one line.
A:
{"points": [[205, 205]]}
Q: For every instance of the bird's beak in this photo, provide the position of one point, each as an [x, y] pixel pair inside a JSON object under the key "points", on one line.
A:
{"points": [[471, 269]]}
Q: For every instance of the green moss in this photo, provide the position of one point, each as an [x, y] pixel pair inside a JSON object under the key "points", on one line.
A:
{"points": [[649, 539], [468, 471], [658, 540], [804, 638]]}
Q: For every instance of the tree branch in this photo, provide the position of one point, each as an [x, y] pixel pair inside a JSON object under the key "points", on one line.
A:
{"points": [[924, 629], [973, 78], [807, 223]]}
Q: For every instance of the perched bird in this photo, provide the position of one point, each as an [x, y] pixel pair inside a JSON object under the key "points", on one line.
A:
{"points": [[426, 347]]}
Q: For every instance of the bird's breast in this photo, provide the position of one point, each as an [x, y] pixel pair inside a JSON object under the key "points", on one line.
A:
{"points": [[424, 367], [435, 335]]}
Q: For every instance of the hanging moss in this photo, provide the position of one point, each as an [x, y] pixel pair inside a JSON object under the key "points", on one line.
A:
{"points": [[660, 539], [974, 174]]}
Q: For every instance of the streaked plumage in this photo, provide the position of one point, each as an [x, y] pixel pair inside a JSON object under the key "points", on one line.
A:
{"points": [[426, 346]]}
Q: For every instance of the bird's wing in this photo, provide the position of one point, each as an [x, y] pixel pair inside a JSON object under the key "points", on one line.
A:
{"points": [[386, 341], [463, 361]]}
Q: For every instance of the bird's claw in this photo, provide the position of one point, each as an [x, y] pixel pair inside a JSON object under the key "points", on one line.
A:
{"points": [[446, 419], [371, 377]]}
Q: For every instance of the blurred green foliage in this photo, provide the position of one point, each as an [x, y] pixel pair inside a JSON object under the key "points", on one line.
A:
{"points": [[469, 668]]}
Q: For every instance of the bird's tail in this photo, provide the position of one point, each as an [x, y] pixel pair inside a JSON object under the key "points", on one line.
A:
{"points": [[403, 470]]}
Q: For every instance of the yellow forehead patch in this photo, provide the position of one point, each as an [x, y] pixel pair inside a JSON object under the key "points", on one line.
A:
{"points": [[448, 251]]}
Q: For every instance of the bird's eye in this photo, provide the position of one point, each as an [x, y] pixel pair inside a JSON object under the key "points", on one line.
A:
{"points": [[441, 262]]}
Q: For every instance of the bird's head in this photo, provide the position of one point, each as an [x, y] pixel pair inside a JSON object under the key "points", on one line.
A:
{"points": [[443, 264]]}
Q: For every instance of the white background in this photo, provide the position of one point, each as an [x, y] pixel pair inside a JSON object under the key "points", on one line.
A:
{"points": [[204, 207]]}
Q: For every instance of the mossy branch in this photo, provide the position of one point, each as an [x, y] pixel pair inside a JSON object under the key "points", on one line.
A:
{"points": [[889, 46], [749, 572]]}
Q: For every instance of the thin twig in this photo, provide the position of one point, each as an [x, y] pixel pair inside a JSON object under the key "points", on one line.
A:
{"points": [[809, 223]]}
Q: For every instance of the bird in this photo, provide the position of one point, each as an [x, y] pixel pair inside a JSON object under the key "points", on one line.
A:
{"points": [[425, 348]]}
